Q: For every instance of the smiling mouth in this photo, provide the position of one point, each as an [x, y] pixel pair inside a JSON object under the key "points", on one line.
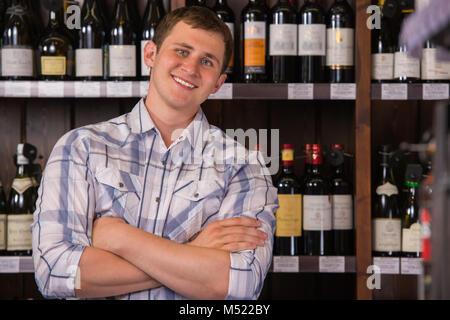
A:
{"points": [[184, 83]]}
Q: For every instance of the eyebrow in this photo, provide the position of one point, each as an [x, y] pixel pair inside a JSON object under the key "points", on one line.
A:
{"points": [[207, 54]]}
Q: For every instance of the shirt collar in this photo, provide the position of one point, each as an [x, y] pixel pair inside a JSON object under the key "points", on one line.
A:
{"points": [[140, 122]]}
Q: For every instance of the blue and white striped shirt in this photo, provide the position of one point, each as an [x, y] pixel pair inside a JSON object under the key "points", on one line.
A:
{"points": [[122, 168]]}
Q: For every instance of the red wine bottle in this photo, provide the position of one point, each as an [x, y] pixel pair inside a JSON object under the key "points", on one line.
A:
{"points": [[340, 43], [312, 42], [342, 206], [283, 42], [254, 34], [288, 232], [317, 215], [224, 12]]}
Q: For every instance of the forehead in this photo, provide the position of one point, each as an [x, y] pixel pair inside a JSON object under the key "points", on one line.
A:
{"points": [[199, 39]]}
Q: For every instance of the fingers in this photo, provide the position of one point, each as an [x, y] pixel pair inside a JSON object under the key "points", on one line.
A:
{"points": [[239, 221], [239, 246]]}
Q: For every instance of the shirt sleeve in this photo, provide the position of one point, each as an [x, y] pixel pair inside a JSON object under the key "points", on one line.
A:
{"points": [[251, 194], [63, 217]]}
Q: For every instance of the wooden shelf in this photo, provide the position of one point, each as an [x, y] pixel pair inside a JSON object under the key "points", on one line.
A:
{"points": [[313, 264], [130, 89], [413, 91], [16, 264]]}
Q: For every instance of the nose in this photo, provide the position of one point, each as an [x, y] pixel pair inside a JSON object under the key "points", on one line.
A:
{"points": [[191, 66]]}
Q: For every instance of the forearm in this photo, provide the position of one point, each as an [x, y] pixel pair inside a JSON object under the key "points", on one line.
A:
{"points": [[103, 274], [194, 272]]}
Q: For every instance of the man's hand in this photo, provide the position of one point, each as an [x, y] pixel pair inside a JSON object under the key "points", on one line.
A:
{"points": [[233, 234], [102, 232]]}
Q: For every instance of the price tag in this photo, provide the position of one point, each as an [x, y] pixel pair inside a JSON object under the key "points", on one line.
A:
{"points": [[411, 266], [86, 89], [119, 89], [435, 91], [394, 91], [387, 265], [50, 89], [9, 264], [143, 88], [343, 91], [300, 91], [18, 89], [225, 92], [332, 264], [285, 264]]}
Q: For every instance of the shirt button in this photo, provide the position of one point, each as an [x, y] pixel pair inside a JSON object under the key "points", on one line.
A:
{"points": [[120, 185], [163, 162], [196, 195], [157, 199]]}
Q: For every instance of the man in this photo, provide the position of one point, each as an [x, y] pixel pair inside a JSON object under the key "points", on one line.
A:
{"points": [[174, 217]]}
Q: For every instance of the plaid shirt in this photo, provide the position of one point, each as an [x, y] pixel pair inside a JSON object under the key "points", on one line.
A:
{"points": [[122, 168]]}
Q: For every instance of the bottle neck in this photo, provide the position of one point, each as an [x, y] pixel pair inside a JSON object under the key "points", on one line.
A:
{"points": [[288, 169], [315, 168], [387, 174], [121, 13], [55, 19], [21, 171], [222, 2], [338, 171]]}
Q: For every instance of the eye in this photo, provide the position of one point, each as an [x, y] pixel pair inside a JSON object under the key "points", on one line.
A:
{"points": [[206, 62], [182, 52]]}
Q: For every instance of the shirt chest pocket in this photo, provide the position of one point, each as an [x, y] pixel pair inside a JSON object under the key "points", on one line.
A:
{"points": [[118, 194], [193, 204]]}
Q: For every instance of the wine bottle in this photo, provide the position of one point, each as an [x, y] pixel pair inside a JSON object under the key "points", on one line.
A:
{"points": [[254, 33], [201, 3], [283, 42], [89, 54], [56, 50], [382, 50], [123, 43], [406, 68], [17, 46], [154, 12], [340, 43], [317, 215], [224, 12], [21, 208], [386, 220], [433, 70], [342, 206], [312, 42], [3, 215], [288, 233], [411, 236]]}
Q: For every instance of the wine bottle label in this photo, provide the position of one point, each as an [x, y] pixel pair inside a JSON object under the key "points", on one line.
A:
{"points": [[405, 66], [2, 231], [386, 234], [122, 61], [89, 62], [289, 216], [145, 71], [383, 66], [17, 61], [342, 212], [53, 66], [231, 63], [255, 47], [340, 43], [22, 185], [433, 69], [317, 213], [283, 40], [387, 189], [411, 238], [18, 232], [287, 155], [311, 40]]}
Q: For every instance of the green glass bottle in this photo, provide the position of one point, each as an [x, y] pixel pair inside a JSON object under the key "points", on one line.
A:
{"points": [[21, 208]]}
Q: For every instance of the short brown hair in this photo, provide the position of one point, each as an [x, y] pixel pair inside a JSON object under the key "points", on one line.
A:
{"points": [[198, 18]]}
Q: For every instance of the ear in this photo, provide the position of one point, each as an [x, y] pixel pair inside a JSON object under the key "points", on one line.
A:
{"points": [[150, 50], [219, 82]]}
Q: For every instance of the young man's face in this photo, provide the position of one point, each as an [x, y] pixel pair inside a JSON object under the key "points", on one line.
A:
{"points": [[187, 68]]}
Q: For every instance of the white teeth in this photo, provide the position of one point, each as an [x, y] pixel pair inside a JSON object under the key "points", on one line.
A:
{"points": [[184, 83]]}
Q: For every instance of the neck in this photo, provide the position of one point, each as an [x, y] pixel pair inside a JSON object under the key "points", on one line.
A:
{"points": [[168, 120]]}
